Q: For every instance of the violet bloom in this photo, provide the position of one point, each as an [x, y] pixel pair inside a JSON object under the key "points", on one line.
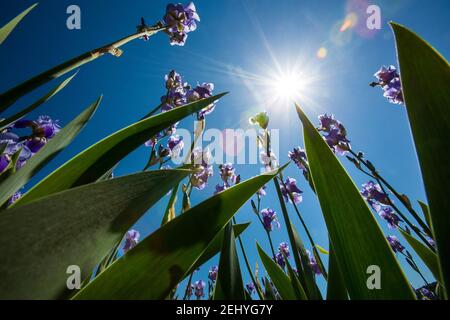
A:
{"points": [[228, 174], [199, 287], [202, 161], [250, 288], [212, 274], [290, 188], [131, 240], [262, 191], [4, 162], [313, 264], [270, 162], [387, 213], [386, 74], [46, 127], [180, 20], [427, 294], [284, 248], [220, 188], [389, 80], [395, 244], [372, 191], [175, 144], [269, 218], [279, 259], [431, 242], [202, 91], [336, 134], [298, 155]]}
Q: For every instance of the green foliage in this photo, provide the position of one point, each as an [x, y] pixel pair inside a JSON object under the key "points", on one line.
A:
{"points": [[354, 233], [10, 26], [157, 264], [425, 78], [48, 152], [74, 227]]}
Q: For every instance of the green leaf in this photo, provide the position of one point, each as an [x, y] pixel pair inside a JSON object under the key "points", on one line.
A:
{"points": [[216, 245], [305, 271], [356, 237], [169, 214], [9, 121], [295, 282], [10, 26], [322, 250], [229, 280], [336, 286], [425, 78], [38, 241], [428, 257], [426, 213], [277, 275], [157, 264], [93, 162], [48, 152]]}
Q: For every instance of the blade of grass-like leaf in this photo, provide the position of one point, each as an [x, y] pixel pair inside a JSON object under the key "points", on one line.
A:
{"points": [[295, 282], [158, 263], [9, 27], [277, 275], [355, 234], [425, 78], [229, 279], [48, 152], [426, 213], [336, 286], [215, 246], [169, 214], [307, 274], [92, 163], [9, 121], [74, 227], [428, 257]]}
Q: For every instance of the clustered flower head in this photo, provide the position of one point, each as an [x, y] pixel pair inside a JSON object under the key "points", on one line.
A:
{"points": [[313, 263], [250, 287], [269, 161], [131, 240], [426, 294], [42, 131], [228, 176], [283, 252], [389, 80], [202, 91], [395, 244], [180, 20], [298, 155], [269, 218], [289, 188], [380, 202], [262, 191], [212, 273], [199, 287], [335, 134], [175, 145], [201, 159]]}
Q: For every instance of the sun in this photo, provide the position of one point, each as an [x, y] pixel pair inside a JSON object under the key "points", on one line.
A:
{"points": [[287, 86]]}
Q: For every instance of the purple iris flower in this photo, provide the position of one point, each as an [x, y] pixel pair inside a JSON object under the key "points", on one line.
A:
{"points": [[395, 244], [180, 20], [279, 259], [199, 287], [431, 242], [427, 294], [202, 91], [4, 162], [250, 287], [220, 188], [131, 240], [212, 274], [313, 263], [201, 159], [389, 80], [372, 191], [292, 189], [284, 248], [175, 144], [386, 74], [269, 218], [46, 127], [298, 155], [336, 134], [262, 192], [387, 213]]}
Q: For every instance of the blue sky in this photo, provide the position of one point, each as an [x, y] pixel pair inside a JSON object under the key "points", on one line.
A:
{"points": [[233, 38]]}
